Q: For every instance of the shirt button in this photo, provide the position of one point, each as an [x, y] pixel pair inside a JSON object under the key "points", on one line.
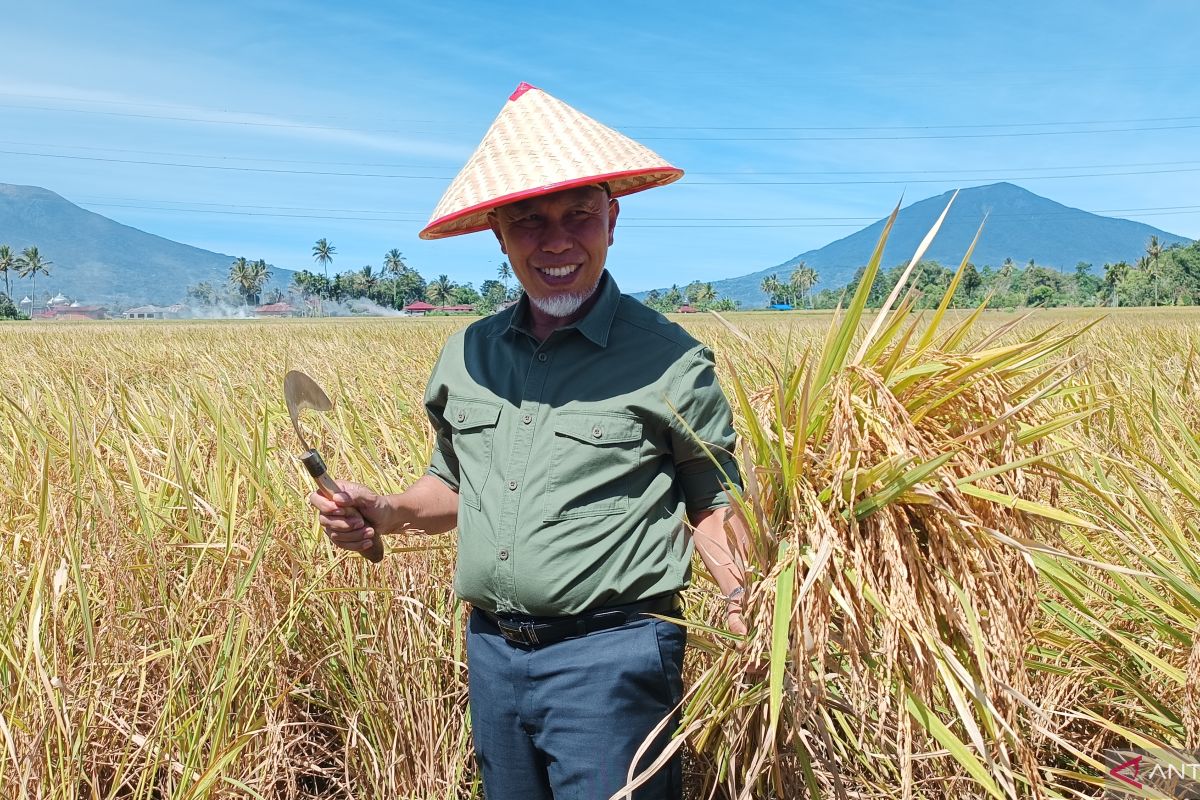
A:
{"points": [[542, 356], [503, 555], [528, 418], [597, 432], [512, 486], [462, 415]]}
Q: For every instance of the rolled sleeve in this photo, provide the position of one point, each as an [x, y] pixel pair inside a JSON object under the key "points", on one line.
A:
{"points": [[702, 436], [443, 463]]}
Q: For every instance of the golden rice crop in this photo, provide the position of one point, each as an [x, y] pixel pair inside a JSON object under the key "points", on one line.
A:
{"points": [[177, 627]]}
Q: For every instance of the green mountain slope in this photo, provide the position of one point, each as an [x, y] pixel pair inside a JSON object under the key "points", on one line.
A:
{"points": [[99, 260], [1020, 225]]}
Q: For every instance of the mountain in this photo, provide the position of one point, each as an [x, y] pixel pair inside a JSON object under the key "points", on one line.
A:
{"points": [[98, 260], [1020, 225]]}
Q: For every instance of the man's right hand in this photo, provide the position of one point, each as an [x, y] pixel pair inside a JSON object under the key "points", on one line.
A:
{"points": [[354, 519]]}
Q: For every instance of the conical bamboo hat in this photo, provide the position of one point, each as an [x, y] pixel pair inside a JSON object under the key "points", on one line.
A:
{"points": [[538, 145]]}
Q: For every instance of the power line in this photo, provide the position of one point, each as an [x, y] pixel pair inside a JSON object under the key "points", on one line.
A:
{"points": [[223, 167], [224, 157], [899, 138], [706, 222], [939, 180], [954, 171], [951, 171], [946, 126], [685, 182], [106, 201], [910, 127]]}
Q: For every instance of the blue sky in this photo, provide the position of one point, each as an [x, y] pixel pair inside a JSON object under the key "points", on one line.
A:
{"points": [[255, 128]]}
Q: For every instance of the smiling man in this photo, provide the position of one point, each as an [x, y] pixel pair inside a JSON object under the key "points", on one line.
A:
{"points": [[583, 450]]}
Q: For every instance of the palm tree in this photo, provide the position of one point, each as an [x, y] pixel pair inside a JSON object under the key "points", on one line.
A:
{"points": [[705, 295], [240, 277], [504, 271], [1113, 275], [393, 264], [368, 279], [7, 262], [439, 291], [323, 254], [1154, 249], [257, 276], [28, 266], [772, 287], [802, 280]]}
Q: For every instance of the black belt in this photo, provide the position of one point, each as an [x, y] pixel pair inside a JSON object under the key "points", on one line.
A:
{"points": [[534, 631]]}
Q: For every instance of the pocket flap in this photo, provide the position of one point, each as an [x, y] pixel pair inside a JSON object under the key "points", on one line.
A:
{"points": [[598, 427], [465, 413]]}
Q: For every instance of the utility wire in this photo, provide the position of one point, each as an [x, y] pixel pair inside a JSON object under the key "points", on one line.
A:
{"points": [[684, 182], [298, 126], [113, 201], [705, 223], [224, 157]]}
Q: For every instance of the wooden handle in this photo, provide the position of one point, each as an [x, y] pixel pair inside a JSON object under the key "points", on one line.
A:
{"points": [[327, 488]]}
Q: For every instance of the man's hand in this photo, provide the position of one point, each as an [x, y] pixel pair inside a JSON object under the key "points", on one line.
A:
{"points": [[735, 622], [355, 518]]}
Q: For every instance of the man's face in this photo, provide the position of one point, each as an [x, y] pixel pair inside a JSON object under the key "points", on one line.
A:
{"points": [[557, 245]]}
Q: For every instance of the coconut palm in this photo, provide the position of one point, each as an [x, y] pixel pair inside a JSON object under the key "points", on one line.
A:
{"points": [[368, 281], [323, 254], [440, 291], [7, 262], [239, 276], [258, 274], [28, 266], [1154, 249], [393, 264], [803, 278], [772, 288], [504, 271]]}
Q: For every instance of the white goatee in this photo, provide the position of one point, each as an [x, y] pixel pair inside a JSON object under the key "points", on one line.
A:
{"points": [[562, 305]]}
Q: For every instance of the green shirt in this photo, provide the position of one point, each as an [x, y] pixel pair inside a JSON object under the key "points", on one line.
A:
{"points": [[574, 473]]}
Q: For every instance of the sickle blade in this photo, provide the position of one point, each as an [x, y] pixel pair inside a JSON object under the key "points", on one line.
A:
{"points": [[301, 392]]}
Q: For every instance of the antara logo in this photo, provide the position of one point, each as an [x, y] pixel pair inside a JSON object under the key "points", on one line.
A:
{"points": [[1122, 772]]}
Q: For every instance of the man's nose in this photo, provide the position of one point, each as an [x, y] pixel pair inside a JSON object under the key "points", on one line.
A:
{"points": [[555, 238]]}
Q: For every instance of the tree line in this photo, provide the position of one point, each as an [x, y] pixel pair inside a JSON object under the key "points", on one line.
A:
{"points": [[1161, 276], [395, 285]]}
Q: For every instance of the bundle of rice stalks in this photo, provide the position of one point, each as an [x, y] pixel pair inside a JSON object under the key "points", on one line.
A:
{"points": [[893, 496]]}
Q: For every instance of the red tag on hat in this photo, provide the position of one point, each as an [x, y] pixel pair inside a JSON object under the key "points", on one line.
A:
{"points": [[520, 90]]}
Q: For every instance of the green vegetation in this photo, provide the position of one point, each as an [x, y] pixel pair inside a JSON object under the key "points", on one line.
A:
{"points": [[700, 296], [395, 286], [1165, 276]]}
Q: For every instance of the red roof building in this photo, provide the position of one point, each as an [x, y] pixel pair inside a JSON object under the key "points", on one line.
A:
{"points": [[417, 309], [276, 310], [686, 309]]}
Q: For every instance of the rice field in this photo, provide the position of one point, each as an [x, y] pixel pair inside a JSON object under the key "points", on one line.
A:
{"points": [[177, 627]]}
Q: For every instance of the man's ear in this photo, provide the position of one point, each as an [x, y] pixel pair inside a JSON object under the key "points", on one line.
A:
{"points": [[494, 224], [614, 208]]}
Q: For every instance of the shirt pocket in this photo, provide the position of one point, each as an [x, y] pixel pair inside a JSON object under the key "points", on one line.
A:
{"points": [[474, 422], [593, 456]]}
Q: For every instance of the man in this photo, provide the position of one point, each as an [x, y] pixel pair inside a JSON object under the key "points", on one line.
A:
{"points": [[570, 453]]}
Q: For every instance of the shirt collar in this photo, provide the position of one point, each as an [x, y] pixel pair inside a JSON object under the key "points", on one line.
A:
{"points": [[595, 325]]}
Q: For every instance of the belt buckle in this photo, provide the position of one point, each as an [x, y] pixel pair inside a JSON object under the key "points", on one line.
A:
{"points": [[521, 632]]}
